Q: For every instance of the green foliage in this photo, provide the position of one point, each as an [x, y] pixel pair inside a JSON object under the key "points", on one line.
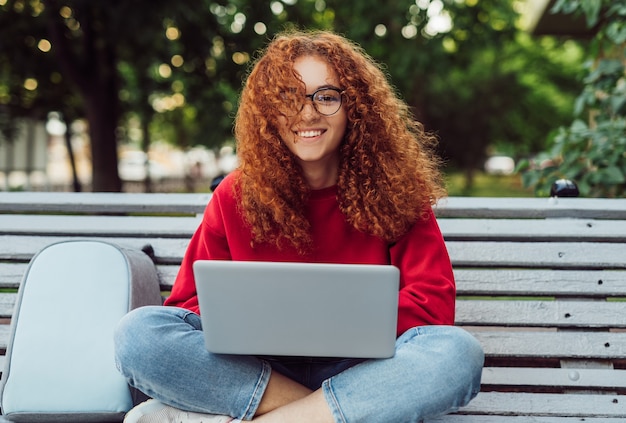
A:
{"points": [[592, 150], [480, 83], [481, 86], [31, 81]]}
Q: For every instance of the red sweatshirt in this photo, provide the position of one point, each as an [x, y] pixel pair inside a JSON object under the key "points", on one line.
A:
{"points": [[427, 288]]}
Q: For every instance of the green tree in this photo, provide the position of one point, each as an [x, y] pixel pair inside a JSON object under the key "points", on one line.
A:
{"points": [[592, 150], [469, 72], [114, 58], [63, 47], [31, 82], [178, 67]]}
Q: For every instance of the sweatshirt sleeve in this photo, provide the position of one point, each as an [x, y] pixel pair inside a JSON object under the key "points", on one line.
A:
{"points": [[207, 243], [427, 287]]}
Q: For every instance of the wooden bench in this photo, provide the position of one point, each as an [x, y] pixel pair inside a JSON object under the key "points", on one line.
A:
{"points": [[541, 284]]}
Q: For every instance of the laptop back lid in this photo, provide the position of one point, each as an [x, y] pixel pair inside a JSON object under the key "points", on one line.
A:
{"points": [[298, 309]]}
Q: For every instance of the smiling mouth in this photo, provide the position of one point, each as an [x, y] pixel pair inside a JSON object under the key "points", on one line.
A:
{"points": [[309, 134]]}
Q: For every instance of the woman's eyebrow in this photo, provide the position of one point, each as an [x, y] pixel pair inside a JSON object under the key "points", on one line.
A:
{"points": [[326, 87]]}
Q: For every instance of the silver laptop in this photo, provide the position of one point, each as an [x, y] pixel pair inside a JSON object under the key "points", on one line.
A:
{"points": [[298, 309]]}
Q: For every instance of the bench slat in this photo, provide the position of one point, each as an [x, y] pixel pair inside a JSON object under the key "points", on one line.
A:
{"points": [[546, 377], [590, 314], [463, 254], [7, 304], [475, 282], [11, 275], [554, 230], [520, 345], [101, 203], [194, 203], [504, 313], [560, 255], [136, 226], [532, 208], [563, 405], [22, 248], [454, 229], [541, 282], [548, 344], [460, 418]]}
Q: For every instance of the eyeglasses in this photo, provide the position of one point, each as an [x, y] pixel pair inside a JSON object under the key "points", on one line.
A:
{"points": [[326, 101]]}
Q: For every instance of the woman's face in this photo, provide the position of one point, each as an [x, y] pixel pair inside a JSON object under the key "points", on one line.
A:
{"points": [[311, 136]]}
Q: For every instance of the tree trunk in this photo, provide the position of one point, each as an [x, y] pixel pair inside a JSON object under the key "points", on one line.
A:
{"points": [[70, 154], [145, 146], [102, 125], [92, 68], [469, 172]]}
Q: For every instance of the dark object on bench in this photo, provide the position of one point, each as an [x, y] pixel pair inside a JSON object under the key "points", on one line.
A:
{"points": [[564, 188], [216, 181]]}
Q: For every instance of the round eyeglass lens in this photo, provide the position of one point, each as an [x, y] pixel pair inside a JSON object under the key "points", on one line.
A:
{"points": [[327, 101]]}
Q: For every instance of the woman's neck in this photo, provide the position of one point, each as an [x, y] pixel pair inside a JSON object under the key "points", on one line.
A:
{"points": [[320, 177]]}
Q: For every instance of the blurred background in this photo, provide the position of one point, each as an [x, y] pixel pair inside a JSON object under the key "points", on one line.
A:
{"points": [[139, 96]]}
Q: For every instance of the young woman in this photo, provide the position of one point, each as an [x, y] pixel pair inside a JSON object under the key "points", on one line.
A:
{"points": [[333, 169]]}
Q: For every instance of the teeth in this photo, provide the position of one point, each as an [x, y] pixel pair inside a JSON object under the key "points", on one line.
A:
{"points": [[309, 134]]}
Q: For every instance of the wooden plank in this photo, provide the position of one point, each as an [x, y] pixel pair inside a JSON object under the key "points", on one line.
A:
{"points": [[84, 226], [481, 282], [548, 377], [563, 230], [100, 203], [585, 255], [485, 282], [195, 203], [531, 208], [167, 274], [5, 332], [7, 304], [516, 345], [453, 230], [557, 405], [460, 418], [22, 248], [548, 344], [559, 255], [11, 274], [541, 282], [588, 314]]}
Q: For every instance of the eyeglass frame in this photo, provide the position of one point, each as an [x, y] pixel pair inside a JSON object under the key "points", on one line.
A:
{"points": [[312, 98]]}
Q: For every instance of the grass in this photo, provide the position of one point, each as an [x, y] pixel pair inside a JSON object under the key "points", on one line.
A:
{"points": [[486, 185]]}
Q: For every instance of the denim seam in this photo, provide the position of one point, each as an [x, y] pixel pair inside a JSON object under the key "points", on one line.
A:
{"points": [[185, 317], [332, 402], [257, 393]]}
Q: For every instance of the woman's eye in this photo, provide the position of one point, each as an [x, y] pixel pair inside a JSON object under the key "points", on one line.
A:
{"points": [[326, 98]]}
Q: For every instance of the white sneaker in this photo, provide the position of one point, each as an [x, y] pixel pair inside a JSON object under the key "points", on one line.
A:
{"points": [[152, 411]]}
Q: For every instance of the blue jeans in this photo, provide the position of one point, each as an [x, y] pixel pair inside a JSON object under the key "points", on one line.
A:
{"points": [[435, 370]]}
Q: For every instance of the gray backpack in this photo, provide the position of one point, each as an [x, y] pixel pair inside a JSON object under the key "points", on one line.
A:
{"points": [[59, 362]]}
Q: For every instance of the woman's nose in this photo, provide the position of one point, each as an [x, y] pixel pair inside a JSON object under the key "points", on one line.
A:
{"points": [[309, 111]]}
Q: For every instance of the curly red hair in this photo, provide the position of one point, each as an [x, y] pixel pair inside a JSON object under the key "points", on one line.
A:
{"points": [[388, 175]]}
